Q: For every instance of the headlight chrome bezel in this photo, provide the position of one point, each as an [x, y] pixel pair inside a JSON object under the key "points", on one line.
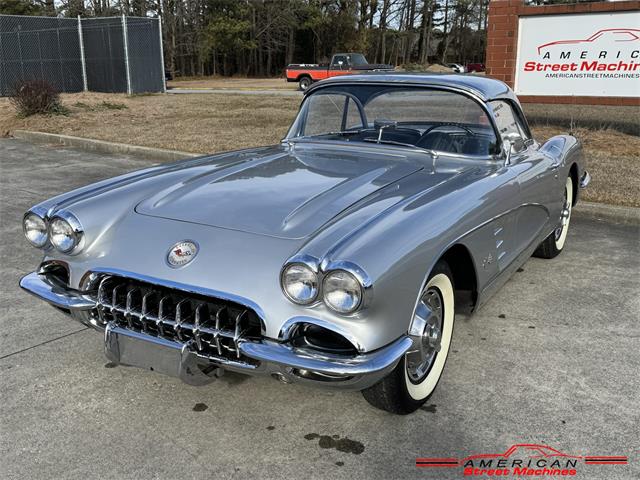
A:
{"points": [[43, 219], [350, 277], [76, 228], [325, 269], [310, 264]]}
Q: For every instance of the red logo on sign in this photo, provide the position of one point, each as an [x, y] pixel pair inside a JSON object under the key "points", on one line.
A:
{"points": [[619, 35]]}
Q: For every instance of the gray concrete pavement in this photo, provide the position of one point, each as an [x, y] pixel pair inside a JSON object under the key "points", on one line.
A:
{"points": [[553, 358]]}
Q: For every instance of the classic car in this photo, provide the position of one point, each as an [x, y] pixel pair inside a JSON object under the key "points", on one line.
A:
{"points": [[337, 258]]}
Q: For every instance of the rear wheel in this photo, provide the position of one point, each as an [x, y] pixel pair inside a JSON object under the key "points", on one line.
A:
{"points": [[554, 243], [416, 376], [304, 83]]}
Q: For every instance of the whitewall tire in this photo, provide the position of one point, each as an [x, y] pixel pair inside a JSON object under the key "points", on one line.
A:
{"points": [[416, 376], [555, 242], [421, 389]]}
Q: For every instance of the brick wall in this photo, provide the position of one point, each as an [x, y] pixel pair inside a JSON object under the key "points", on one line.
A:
{"points": [[502, 40]]}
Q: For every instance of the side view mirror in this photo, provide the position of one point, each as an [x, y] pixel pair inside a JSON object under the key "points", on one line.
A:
{"points": [[506, 151], [381, 124], [512, 143], [517, 142]]}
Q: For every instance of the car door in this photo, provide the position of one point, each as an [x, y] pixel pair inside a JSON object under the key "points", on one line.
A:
{"points": [[537, 176]]}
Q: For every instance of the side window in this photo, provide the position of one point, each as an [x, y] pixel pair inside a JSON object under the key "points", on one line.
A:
{"points": [[508, 124], [336, 62], [326, 113]]}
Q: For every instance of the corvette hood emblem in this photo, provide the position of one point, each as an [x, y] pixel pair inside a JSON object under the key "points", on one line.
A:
{"points": [[182, 253]]}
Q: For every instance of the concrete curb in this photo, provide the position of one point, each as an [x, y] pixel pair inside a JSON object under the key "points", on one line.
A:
{"points": [[595, 211], [102, 146], [610, 213]]}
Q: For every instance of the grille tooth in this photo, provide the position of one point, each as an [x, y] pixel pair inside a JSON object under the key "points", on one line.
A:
{"points": [[102, 297], [239, 330], [135, 292], [180, 317], [147, 299], [221, 315], [201, 318], [211, 326], [114, 300], [162, 313]]}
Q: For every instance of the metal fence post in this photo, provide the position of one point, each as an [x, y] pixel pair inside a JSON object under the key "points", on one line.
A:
{"points": [[164, 76], [82, 59], [125, 37]]}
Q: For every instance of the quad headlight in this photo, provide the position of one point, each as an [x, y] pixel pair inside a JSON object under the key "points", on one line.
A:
{"points": [[65, 232], [35, 229], [342, 286], [299, 283], [342, 291]]}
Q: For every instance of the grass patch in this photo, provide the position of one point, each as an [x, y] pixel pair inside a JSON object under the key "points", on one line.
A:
{"points": [[104, 105], [216, 122]]}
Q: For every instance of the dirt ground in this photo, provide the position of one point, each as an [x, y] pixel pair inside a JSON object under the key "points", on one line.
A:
{"points": [[214, 123]]}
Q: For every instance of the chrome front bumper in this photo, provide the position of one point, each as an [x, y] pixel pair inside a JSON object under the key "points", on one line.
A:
{"points": [[272, 357]]}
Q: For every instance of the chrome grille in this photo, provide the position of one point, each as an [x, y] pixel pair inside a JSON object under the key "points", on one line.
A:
{"points": [[211, 326]]}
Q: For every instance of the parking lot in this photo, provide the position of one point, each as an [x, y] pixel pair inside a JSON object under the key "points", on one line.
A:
{"points": [[552, 359]]}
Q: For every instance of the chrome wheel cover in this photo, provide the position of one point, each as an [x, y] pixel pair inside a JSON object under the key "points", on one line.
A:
{"points": [[560, 233], [426, 331]]}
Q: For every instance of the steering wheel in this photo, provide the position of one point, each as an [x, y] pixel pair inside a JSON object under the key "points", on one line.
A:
{"points": [[440, 125]]}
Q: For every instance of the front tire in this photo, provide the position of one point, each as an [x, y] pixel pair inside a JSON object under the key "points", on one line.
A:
{"points": [[304, 83], [416, 376], [554, 243]]}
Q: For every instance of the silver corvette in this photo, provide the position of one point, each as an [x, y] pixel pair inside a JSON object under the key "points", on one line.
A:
{"points": [[337, 258]]}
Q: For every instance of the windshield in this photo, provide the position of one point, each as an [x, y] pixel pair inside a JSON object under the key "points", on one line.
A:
{"points": [[357, 59], [424, 118]]}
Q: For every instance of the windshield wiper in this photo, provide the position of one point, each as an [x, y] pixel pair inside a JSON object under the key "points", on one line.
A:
{"points": [[433, 153], [344, 132]]}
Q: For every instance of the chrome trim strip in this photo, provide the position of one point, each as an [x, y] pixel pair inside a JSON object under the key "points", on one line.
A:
{"points": [[60, 296]]}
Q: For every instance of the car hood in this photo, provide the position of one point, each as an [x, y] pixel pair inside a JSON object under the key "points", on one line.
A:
{"points": [[281, 192]]}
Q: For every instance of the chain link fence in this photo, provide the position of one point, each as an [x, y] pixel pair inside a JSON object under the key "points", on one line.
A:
{"points": [[110, 54]]}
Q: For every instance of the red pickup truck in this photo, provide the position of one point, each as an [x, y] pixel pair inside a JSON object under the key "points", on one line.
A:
{"points": [[341, 64]]}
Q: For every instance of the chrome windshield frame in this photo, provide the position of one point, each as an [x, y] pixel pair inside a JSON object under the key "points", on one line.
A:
{"points": [[292, 138]]}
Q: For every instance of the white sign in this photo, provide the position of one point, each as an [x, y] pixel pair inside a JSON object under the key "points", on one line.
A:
{"points": [[594, 55]]}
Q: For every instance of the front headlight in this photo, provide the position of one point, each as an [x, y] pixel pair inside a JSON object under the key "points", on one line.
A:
{"points": [[65, 233], [342, 291], [299, 283], [35, 229]]}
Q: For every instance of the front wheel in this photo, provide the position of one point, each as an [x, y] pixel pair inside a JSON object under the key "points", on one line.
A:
{"points": [[304, 83], [554, 243], [416, 376]]}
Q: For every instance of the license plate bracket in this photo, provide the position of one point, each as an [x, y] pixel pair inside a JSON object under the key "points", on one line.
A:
{"points": [[134, 349]]}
